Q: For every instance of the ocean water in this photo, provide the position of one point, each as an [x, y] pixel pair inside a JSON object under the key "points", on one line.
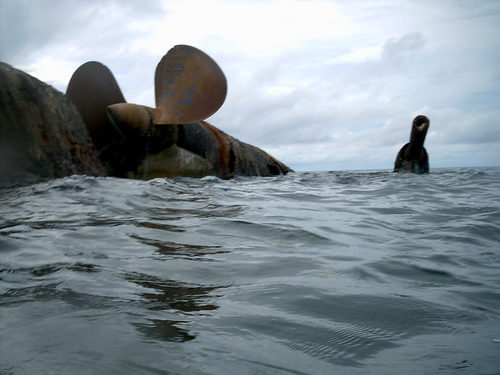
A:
{"points": [[365, 272]]}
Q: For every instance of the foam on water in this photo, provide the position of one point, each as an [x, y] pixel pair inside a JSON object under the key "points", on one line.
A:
{"points": [[311, 273]]}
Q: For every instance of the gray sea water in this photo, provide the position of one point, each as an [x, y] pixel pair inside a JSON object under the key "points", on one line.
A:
{"points": [[366, 272]]}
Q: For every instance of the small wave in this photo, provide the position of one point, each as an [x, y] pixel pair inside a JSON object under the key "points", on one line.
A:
{"points": [[423, 276], [340, 272]]}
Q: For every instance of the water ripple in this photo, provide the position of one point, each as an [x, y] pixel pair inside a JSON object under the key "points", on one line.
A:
{"points": [[330, 272]]}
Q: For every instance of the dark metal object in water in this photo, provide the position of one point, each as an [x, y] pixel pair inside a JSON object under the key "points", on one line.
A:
{"points": [[169, 140], [413, 157]]}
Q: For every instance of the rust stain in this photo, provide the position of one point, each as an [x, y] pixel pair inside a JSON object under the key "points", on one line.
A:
{"points": [[222, 149], [189, 86]]}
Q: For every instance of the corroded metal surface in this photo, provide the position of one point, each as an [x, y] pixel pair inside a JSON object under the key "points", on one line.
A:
{"points": [[189, 86], [91, 89], [228, 156], [170, 140], [413, 157], [130, 119]]}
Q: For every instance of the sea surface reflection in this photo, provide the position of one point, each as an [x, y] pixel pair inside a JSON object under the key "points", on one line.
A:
{"points": [[364, 272]]}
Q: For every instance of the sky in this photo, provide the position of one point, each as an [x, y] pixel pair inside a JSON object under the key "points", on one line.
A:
{"points": [[318, 84]]}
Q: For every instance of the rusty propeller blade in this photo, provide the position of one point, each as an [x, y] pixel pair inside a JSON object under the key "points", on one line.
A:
{"points": [[91, 89], [189, 86]]}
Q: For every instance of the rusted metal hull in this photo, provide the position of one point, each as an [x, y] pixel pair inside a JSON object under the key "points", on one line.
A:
{"points": [[228, 156], [413, 157], [169, 140], [191, 150]]}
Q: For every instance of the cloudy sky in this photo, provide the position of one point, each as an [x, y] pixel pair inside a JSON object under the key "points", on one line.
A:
{"points": [[319, 84]]}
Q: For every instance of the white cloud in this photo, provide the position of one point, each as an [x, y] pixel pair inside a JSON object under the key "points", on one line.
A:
{"points": [[403, 49], [252, 28], [358, 55], [56, 72]]}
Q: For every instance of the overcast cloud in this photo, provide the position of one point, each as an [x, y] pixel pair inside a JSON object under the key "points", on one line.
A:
{"points": [[319, 84]]}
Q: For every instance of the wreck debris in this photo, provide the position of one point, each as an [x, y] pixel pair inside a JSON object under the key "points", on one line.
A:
{"points": [[170, 140], [413, 157]]}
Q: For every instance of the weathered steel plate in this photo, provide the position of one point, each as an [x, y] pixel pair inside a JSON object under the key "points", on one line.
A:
{"points": [[189, 86]]}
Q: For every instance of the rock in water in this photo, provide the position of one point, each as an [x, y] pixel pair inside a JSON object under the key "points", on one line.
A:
{"points": [[41, 133]]}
